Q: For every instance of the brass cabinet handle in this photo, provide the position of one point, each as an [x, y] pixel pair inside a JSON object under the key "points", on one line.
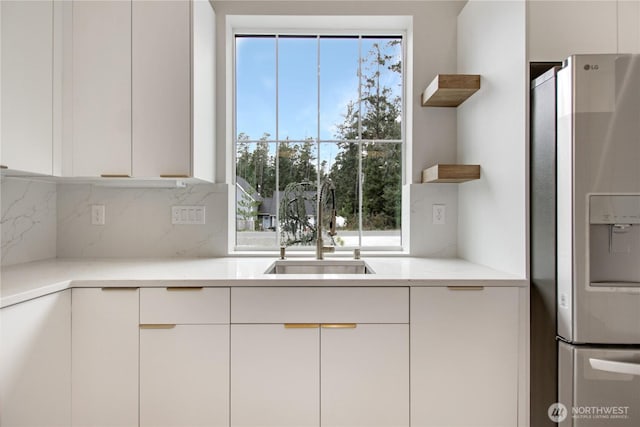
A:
{"points": [[123, 288], [115, 175], [465, 288], [301, 325], [157, 326], [184, 288], [3, 167], [339, 325], [172, 175]]}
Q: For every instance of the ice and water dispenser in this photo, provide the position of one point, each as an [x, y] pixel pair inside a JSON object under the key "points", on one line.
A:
{"points": [[614, 240]]}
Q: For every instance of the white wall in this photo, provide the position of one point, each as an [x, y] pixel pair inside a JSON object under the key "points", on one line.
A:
{"points": [[492, 132]]}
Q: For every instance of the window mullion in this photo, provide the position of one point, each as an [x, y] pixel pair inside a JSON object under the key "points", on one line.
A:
{"points": [[276, 196], [318, 178], [360, 177]]}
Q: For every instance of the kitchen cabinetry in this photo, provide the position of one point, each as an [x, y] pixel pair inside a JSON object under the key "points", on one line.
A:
{"points": [[275, 377], [104, 356], [101, 88], [143, 76], [338, 356], [464, 356], [27, 85], [184, 357], [35, 373]]}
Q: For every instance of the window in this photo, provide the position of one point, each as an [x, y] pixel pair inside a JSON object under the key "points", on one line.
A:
{"points": [[311, 110]]}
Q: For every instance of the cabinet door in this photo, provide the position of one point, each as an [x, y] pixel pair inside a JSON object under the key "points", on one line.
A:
{"points": [[365, 376], [464, 357], [275, 378], [184, 376], [105, 357], [27, 85], [161, 101], [35, 373], [101, 88]]}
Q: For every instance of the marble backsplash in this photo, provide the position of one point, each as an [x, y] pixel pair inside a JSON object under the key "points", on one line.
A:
{"points": [[430, 240], [138, 222], [28, 220], [43, 220]]}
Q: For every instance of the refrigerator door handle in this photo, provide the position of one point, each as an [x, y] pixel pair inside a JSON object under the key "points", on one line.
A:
{"points": [[629, 368]]}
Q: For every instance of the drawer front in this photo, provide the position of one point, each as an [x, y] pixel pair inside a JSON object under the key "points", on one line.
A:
{"points": [[184, 306], [320, 305]]}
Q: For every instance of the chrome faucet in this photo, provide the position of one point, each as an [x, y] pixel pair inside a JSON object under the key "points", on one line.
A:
{"points": [[321, 249]]}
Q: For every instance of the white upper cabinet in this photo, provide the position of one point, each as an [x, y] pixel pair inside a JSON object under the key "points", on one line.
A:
{"points": [[27, 85], [143, 89], [161, 96], [101, 88], [558, 29]]}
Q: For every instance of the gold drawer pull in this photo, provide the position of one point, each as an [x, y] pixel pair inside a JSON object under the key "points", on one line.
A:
{"points": [[184, 288], [157, 326], [339, 325], [115, 175], [465, 288], [172, 175], [3, 167], [121, 288], [301, 325]]}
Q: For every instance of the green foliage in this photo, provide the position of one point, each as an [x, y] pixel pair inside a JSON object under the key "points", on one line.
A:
{"points": [[381, 162]]}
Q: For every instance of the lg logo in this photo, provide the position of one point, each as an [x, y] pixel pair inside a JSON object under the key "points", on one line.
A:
{"points": [[593, 67]]}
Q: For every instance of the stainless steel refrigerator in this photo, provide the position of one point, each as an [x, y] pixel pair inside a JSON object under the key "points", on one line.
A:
{"points": [[597, 238]]}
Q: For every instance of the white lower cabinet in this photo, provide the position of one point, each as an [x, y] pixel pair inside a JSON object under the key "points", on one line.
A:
{"points": [[354, 372], [105, 357], [184, 376], [184, 357], [35, 373], [171, 357], [275, 379], [464, 356], [365, 376]]}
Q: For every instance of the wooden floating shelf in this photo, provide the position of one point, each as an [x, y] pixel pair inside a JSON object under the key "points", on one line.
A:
{"points": [[451, 173], [450, 90]]}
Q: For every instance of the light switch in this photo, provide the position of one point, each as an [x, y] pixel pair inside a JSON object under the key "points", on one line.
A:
{"points": [[187, 215]]}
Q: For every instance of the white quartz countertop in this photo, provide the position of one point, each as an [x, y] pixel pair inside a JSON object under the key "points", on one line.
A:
{"points": [[30, 280]]}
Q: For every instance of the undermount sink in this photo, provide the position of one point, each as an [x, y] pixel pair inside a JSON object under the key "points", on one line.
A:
{"points": [[312, 266]]}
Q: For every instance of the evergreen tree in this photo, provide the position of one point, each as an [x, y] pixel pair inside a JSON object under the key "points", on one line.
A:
{"points": [[380, 181]]}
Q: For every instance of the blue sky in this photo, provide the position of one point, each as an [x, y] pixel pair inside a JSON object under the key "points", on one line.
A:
{"points": [[298, 86]]}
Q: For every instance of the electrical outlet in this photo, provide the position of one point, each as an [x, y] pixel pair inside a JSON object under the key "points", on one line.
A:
{"points": [[439, 214], [97, 214], [187, 215]]}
